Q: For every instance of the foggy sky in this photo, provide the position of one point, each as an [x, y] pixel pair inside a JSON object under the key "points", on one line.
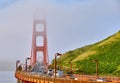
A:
{"points": [[71, 24]]}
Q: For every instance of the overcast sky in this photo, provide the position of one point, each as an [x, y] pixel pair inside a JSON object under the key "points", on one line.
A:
{"points": [[70, 24]]}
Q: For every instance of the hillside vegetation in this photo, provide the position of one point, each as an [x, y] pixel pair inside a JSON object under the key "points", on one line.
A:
{"points": [[107, 52]]}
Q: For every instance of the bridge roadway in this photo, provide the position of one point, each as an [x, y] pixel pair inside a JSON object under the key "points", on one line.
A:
{"points": [[26, 77]]}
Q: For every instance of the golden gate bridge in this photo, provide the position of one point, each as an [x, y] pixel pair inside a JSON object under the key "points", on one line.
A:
{"points": [[37, 71]]}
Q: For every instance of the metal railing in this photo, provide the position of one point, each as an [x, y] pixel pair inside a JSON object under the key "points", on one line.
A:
{"points": [[34, 78]]}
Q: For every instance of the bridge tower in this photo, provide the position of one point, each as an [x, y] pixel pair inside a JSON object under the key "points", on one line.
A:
{"points": [[39, 41]]}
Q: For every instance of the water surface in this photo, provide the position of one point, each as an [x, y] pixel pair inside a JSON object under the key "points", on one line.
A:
{"points": [[7, 77]]}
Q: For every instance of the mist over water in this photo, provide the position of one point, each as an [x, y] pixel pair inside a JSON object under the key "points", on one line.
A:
{"points": [[7, 77]]}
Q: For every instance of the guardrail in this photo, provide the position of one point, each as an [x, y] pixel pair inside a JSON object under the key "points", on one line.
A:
{"points": [[34, 78]]}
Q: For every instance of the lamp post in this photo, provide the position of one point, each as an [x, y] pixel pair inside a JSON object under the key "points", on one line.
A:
{"points": [[18, 61], [70, 67], [55, 64], [26, 63], [96, 61]]}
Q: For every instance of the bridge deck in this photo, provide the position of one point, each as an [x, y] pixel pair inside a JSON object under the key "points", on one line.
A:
{"points": [[34, 78]]}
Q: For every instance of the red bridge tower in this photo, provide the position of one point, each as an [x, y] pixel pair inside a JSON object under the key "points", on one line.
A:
{"points": [[39, 42]]}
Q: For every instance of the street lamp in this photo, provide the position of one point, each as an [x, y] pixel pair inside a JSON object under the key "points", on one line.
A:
{"points": [[26, 63], [96, 61], [55, 64], [70, 67], [17, 62]]}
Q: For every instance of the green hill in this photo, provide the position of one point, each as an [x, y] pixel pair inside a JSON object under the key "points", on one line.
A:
{"points": [[107, 52]]}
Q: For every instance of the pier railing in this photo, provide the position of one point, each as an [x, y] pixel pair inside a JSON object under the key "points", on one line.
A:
{"points": [[34, 78]]}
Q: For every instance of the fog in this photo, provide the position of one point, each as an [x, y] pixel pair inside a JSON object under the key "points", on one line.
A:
{"points": [[70, 25]]}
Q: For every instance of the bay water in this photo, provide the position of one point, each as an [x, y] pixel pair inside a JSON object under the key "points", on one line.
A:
{"points": [[7, 77]]}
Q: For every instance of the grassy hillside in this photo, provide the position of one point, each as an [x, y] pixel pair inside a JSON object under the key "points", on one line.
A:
{"points": [[107, 52]]}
